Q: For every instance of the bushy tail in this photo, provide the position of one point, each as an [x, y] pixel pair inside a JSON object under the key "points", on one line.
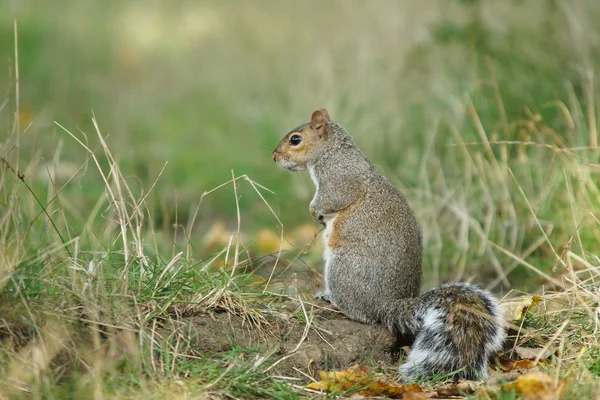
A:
{"points": [[458, 327]]}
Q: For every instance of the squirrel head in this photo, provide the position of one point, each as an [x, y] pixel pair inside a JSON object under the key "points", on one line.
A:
{"points": [[297, 147]]}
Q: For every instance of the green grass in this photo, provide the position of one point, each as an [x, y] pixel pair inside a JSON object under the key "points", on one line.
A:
{"points": [[484, 114]]}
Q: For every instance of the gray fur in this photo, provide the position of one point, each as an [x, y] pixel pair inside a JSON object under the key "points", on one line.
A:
{"points": [[382, 247], [373, 251]]}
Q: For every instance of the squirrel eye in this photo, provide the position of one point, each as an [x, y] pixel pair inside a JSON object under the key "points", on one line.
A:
{"points": [[295, 140]]}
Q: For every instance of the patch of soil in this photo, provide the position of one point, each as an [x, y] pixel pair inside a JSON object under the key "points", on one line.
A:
{"points": [[331, 341]]}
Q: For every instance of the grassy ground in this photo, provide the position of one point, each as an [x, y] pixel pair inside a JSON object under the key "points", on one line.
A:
{"points": [[485, 114]]}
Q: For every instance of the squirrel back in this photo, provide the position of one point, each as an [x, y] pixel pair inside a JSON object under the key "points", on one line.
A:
{"points": [[373, 251]]}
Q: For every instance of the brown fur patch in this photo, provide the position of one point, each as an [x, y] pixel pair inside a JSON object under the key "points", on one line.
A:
{"points": [[473, 306], [472, 313], [335, 239]]}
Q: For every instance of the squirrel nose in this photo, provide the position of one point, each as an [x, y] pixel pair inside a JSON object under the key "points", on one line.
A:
{"points": [[274, 156]]}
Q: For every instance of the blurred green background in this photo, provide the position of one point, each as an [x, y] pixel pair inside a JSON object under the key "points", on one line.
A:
{"points": [[210, 87]]}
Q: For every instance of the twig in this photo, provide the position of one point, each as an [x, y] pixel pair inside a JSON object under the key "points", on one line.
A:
{"points": [[22, 179]]}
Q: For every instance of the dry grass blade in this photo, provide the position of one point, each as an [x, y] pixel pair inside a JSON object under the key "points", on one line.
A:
{"points": [[558, 257], [529, 266]]}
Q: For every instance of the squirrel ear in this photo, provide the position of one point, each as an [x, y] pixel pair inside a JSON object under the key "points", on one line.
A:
{"points": [[318, 120]]}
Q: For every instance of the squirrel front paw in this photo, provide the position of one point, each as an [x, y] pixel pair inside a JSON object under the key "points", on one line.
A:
{"points": [[325, 295], [316, 214]]}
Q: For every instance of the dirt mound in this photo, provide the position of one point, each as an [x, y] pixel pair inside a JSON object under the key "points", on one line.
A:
{"points": [[328, 341]]}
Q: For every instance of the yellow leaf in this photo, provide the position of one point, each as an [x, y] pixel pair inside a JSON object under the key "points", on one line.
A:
{"points": [[518, 308], [270, 242], [538, 386], [363, 378]]}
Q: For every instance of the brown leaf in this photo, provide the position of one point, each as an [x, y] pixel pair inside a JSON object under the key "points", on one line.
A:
{"points": [[538, 386], [417, 395], [526, 359], [364, 378], [457, 389], [507, 365]]}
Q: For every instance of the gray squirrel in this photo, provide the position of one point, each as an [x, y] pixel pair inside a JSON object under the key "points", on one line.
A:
{"points": [[373, 251]]}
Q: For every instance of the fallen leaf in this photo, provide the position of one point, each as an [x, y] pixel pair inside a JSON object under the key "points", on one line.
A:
{"points": [[460, 388], [527, 358], [405, 396], [364, 378], [517, 309], [528, 353], [417, 396], [538, 386], [507, 365]]}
